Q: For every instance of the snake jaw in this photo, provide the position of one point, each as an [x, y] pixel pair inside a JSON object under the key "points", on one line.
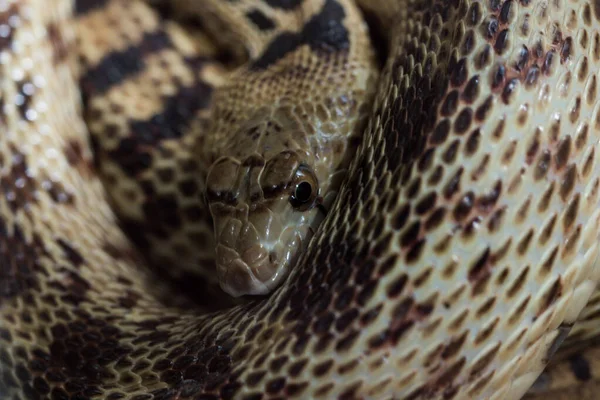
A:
{"points": [[258, 271], [235, 276], [256, 249]]}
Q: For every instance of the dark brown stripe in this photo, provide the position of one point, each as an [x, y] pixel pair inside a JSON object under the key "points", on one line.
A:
{"points": [[260, 20], [580, 368], [177, 113], [59, 47], [324, 32], [85, 6], [117, 66], [284, 4], [171, 123]]}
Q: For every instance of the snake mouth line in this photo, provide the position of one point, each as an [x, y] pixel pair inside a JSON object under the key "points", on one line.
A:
{"points": [[256, 271], [260, 265], [232, 284]]}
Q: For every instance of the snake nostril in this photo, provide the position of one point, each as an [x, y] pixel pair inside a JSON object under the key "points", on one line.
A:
{"points": [[272, 257]]}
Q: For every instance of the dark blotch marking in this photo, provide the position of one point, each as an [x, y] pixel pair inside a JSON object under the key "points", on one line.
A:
{"points": [[487, 201], [70, 253], [459, 73], [580, 368], [498, 76], [117, 66], [177, 112], [464, 207], [566, 50], [479, 271], [597, 9], [19, 277], [471, 90], [532, 76], [468, 42], [548, 63], [568, 182], [322, 368], [505, 12], [454, 346], [71, 285], [563, 153], [450, 103], [75, 157], [81, 348], [17, 187], [324, 33], [163, 210], [491, 28], [522, 59], [57, 192], [551, 295], [450, 154], [86, 6], [284, 4], [426, 204], [484, 109], [509, 89], [483, 57], [502, 42], [474, 14], [397, 286], [260, 20], [59, 47], [453, 185], [129, 299], [473, 142], [440, 132], [463, 121], [131, 159], [276, 385]]}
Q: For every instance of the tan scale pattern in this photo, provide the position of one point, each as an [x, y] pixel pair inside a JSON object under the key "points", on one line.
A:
{"points": [[460, 250], [158, 205], [228, 25]]}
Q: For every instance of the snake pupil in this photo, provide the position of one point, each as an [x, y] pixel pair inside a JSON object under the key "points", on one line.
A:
{"points": [[303, 192]]}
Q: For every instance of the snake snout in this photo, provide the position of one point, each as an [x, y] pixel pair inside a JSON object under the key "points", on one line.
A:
{"points": [[253, 273], [252, 254]]}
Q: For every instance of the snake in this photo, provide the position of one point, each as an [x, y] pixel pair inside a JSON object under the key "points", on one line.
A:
{"points": [[267, 199]]}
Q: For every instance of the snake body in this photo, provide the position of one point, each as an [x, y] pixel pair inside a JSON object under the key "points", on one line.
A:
{"points": [[458, 253]]}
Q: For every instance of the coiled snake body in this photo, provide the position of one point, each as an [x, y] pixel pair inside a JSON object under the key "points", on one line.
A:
{"points": [[458, 253]]}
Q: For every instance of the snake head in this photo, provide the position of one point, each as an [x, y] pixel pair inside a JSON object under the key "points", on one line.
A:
{"points": [[263, 213]]}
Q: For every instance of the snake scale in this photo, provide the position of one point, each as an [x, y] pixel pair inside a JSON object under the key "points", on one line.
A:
{"points": [[459, 245]]}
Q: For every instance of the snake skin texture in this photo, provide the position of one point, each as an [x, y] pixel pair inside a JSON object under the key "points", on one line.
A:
{"points": [[459, 252]]}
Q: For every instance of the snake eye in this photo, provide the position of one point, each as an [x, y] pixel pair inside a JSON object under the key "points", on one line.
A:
{"points": [[305, 191]]}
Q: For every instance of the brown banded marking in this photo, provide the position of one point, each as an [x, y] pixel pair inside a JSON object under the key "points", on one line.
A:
{"points": [[324, 32], [118, 66], [143, 146], [335, 299], [262, 22], [85, 6]]}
